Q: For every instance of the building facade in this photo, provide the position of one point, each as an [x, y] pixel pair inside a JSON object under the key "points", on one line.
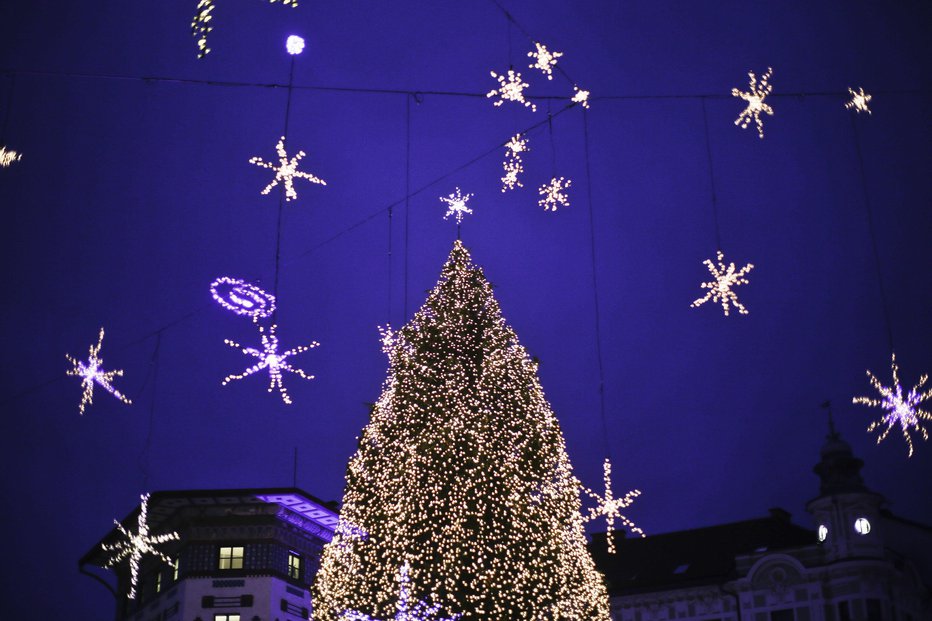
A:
{"points": [[861, 563], [241, 555]]}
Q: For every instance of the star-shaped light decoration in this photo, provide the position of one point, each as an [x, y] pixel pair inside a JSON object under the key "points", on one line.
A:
{"points": [[513, 165], [581, 97], [421, 611], [755, 98], [859, 101], [286, 171], [270, 358], [725, 278], [544, 59], [902, 410], [609, 507], [201, 24], [92, 373], [510, 89], [554, 194], [8, 156], [136, 545], [456, 205]]}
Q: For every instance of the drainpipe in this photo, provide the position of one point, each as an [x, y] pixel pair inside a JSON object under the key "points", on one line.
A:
{"points": [[733, 594]]}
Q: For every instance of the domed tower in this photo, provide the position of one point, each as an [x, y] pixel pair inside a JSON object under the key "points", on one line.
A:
{"points": [[846, 512]]}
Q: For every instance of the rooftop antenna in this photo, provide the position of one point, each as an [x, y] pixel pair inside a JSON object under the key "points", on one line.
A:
{"points": [[832, 433]]}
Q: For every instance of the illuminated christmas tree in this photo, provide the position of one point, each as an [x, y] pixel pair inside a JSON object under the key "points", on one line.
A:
{"points": [[462, 477]]}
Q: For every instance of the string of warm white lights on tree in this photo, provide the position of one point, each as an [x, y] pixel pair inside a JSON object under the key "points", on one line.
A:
{"points": [[92, 372], [420, 611], [461, 472], [136, 545]]}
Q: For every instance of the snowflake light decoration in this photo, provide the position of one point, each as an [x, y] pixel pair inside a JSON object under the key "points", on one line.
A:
{"points": [[405, 612], [581, 97], [8, 156], [510, 89], [609, 507], [513, 165], [270, 358], [755, 98], [456, 205], [554, 194], [859, 101], [902, 410], [201, 24], [515, 146], [92, 373], [241, 297], [286, 171], [725, 277], [512, 169], [136, 545], [544, 59]]}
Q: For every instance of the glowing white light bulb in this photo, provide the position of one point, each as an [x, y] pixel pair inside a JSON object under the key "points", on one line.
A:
{"points": [[294, 44], [725, 277], [755, 97], [902, 410], [201, 24], [136, 545], [92, 373]]}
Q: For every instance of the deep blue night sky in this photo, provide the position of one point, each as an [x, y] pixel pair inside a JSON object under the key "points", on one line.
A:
{"points": [[133, 195]]}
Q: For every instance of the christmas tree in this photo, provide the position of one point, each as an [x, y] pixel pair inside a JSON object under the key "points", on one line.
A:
{"points": [[461, 480]]}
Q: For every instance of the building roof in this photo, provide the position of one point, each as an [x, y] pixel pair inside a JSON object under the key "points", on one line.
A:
{"points": [[692, 557], [165, 506]]}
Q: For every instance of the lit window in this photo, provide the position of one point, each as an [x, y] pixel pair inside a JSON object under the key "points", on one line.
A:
{"points": [[862, 526], [175, 571], [226, 617], [823, 532], [158, 582], [294, 565], [231, 558]]}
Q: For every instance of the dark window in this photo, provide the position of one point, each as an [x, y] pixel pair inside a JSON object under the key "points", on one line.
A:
{"points": [[844, 612], [230, 557], [874, 612], [782, 615]]}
